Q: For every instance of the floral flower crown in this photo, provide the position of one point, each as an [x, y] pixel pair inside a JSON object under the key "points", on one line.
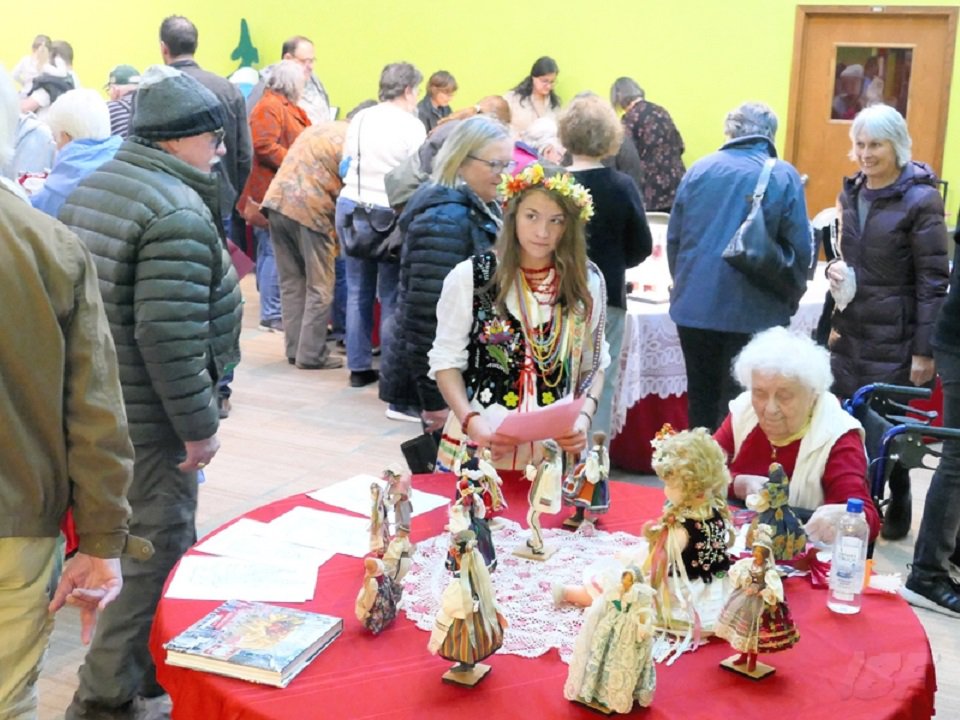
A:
{"points": [[562, 184]]}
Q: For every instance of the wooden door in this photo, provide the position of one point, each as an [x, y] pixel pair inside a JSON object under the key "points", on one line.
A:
{"points": [[913, 47]]}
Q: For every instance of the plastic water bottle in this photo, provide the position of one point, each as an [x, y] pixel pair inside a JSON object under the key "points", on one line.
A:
{"points": [[849, 560]]}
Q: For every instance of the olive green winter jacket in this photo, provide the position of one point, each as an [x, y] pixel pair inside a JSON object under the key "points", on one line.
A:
{"points": [[151, 222]]}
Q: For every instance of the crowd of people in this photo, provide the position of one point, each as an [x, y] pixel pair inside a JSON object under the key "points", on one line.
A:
{"points": [[495, 240]]}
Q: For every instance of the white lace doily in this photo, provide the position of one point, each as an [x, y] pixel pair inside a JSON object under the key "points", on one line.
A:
{"points": [[523, 587], [651, 359]]}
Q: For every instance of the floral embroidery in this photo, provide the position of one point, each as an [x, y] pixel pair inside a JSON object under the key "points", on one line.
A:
{"points": [[485, 396], [547, 398], [511, 399], [496, 332]]}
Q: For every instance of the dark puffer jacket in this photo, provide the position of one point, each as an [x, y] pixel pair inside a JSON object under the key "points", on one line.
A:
{"points": [[442, 226], [900, 261], [151, 223]]}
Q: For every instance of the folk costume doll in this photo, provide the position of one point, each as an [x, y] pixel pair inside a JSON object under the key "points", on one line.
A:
{"points": [[688, 560], [589, 489], [468, 627], [771, 504], [545, 493], [469, 513], [398, 498], [522, 327], [379, 521], [756, 618], [492, 485], [612, 664], [376, 604]]}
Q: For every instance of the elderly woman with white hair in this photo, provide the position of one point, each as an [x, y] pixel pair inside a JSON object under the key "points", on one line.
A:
{"points": [[275, 122], [891, 276], [447, 220], [789, 416], [716, 306], [80, 123]]}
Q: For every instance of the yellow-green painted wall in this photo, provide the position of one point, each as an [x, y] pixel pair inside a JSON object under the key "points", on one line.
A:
{"points": [[698, 58]]}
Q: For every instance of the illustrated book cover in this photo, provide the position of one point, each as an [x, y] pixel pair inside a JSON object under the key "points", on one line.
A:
{"points": [[254, 641]]}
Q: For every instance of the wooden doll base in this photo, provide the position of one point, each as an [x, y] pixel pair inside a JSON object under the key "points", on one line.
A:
{"points": [[467, 678], [762, 670], [526, 553], [573, 522], [596, 707]]}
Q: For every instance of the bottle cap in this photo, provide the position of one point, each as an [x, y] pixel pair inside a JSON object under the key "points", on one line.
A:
{"points": [[854, 505]]}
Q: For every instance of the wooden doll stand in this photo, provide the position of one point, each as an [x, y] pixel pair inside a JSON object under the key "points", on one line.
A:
{"points": [[467, 678], [762, 670], [525, 552]]}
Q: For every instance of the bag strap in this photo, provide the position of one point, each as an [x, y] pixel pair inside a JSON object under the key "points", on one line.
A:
{"points": [[760, 190]]}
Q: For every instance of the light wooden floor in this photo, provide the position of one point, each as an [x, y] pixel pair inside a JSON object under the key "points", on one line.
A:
{"points": [[294, 430]]}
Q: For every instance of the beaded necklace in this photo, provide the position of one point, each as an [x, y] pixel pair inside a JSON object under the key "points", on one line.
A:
{"points": [[548, 342]]}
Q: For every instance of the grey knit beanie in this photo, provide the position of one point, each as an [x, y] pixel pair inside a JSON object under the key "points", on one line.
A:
{"points": [[172, 105]]}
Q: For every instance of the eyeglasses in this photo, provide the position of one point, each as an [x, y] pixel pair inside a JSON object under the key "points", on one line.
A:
{"points": [[218, 136], [497, 166]]}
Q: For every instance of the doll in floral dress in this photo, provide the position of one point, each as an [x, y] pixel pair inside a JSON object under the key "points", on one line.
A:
{"points": [[756, 618], [789, 538]]}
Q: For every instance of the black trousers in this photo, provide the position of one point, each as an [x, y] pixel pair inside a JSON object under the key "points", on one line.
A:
{"points": [[708, 355]]}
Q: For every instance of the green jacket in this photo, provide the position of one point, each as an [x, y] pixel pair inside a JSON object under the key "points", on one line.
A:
{"points": [[63, 431], [151, 222]]}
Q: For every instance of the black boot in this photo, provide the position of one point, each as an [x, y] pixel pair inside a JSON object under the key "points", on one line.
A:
{"points": [[899, 512]]}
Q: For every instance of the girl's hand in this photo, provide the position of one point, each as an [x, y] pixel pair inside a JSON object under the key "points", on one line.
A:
{"points": [[575, 441], [479, 431]]}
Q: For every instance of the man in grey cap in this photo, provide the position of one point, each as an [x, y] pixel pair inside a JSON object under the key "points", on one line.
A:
{"points": [[150, 219], [122, 88]]}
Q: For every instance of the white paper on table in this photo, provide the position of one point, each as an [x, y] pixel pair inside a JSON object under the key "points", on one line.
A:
{"points": [[549, 422], [205, 577], [329, 531], [354, 494], [250, 540]]}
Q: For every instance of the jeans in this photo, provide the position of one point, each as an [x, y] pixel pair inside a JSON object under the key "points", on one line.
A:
{"points": [[940, 526], [708, 355], [366, 281], [267, 282], [338, 318], [305, 266]]}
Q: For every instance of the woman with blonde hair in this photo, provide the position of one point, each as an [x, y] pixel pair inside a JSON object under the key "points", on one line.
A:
{"points": [[447, 220], [522, 327]]}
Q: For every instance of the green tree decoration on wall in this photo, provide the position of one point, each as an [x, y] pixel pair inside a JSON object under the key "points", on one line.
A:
{"points": [[245, 51]]}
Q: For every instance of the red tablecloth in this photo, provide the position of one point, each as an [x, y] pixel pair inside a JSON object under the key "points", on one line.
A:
{"points": [[872, 666]]}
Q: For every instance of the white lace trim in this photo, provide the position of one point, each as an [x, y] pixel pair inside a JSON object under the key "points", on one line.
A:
{"points": [[523, 587]]}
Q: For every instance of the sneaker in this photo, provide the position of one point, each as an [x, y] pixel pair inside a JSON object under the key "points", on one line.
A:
{"points": [[937, 594], [375, 351], [402, 414], [329, 363], [275, 325], [362, 378]]}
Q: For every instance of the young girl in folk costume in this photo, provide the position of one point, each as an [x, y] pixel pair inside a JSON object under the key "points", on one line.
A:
{"points": [[612, 663], [688, 560], [756, 618], [522, 327], [379, 522], [468, 627]]}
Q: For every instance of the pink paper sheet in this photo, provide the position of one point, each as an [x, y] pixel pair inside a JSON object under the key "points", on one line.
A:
{"points": [[549, 422]]}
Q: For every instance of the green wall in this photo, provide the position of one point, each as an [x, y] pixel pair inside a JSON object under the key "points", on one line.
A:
{"points": [[698, 58]]}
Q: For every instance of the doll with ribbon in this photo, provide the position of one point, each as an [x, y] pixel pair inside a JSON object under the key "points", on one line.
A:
{"points": [[688, 562], [756, 618]]}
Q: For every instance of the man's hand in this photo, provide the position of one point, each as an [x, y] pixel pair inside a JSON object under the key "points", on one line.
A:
{"points": [[921, 370], [199, 453], [89, 583], [434, 419]]}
